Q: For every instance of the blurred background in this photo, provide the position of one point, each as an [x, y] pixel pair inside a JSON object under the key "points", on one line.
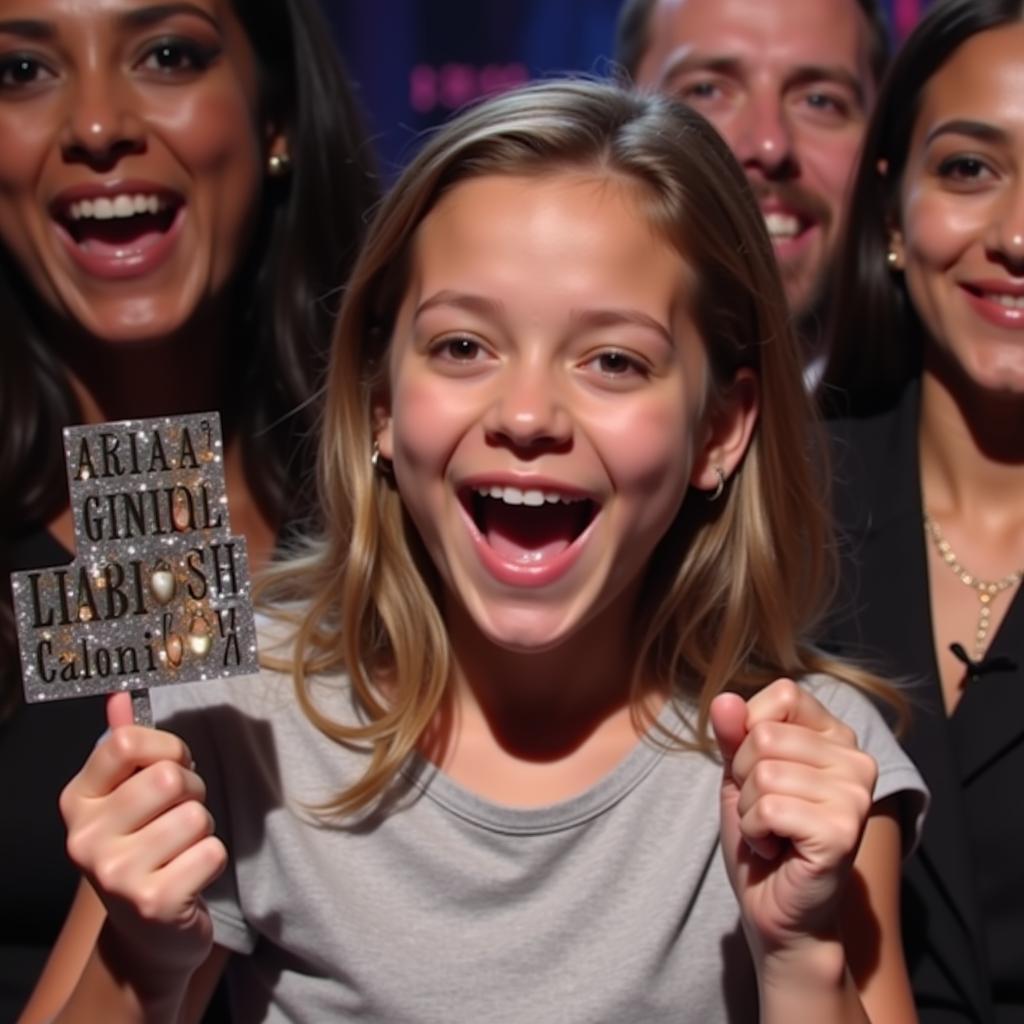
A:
{"points": [[415, 61]]}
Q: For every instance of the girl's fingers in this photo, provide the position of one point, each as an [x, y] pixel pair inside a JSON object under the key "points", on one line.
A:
{"points": [[785, 741], [788, 778], [151, 792], [120, 755], [195, 868], [784, 701], [128, 862], [823, 835]]}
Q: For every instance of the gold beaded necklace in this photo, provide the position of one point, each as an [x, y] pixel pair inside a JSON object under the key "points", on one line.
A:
{"points": [[987, 589]]}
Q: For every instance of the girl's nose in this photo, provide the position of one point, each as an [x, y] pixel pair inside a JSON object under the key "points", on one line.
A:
{"points": [[529, 413]]}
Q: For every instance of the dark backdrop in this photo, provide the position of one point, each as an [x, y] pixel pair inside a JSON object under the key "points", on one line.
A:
{"points": [[415, 61]]}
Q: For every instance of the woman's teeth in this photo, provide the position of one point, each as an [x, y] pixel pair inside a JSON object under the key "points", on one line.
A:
{"points": [[104, 208], [1004, 300], [516, 496]]}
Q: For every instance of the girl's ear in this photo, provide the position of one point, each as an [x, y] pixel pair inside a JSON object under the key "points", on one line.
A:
{"points": [[382, 433], [727, 432]]}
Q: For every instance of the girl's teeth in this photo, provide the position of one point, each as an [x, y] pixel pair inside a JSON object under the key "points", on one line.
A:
{"points": [[516, 496]]}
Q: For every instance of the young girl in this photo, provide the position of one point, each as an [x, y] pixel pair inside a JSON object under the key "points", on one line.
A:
{"points": [[569, 506]]}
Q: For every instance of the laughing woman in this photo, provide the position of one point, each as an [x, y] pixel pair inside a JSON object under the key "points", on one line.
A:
{"points": [[929, 375], [180, 187]]}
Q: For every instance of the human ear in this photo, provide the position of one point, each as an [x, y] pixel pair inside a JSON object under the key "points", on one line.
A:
{"points": [[728, 428], [896, 254], [278, 153], [383, 436]]}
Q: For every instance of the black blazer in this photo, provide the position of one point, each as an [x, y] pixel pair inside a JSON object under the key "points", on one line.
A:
{"points": [[963, 889]]}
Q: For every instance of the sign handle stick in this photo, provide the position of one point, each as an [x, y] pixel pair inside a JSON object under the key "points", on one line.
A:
{"points": [[142, 711]]}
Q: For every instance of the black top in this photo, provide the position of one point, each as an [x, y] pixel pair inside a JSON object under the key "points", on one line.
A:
{"points": [[963, 891], [41, 747]]}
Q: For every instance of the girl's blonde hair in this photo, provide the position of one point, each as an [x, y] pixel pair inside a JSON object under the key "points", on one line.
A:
{"points": [[734, 587]]}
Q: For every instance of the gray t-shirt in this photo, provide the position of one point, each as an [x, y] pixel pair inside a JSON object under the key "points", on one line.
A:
{"points": [[445, 908]]}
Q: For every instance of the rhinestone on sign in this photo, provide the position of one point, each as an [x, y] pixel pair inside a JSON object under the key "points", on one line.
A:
{"points": [[84, 613], [161, 582], [199, 639], [174, 650]]}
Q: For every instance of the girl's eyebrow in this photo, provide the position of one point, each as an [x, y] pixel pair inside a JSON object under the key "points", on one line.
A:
{"points": [[41, 30], [614, 317], [494, 309], [479, 304], [980, 130]]}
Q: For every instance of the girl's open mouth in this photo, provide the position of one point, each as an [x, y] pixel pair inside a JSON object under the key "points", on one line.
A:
{"points": [[528, 526]]}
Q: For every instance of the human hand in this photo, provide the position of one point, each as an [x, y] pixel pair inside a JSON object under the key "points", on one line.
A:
{"points": [[140, 832], [796, 794]]}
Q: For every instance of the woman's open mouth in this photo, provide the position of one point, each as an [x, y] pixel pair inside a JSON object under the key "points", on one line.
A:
{"points": [[119, 234]]}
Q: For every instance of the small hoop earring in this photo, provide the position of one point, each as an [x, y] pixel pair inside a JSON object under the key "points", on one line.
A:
{"points": [[379, 462], [279, 165], [717, 492]]}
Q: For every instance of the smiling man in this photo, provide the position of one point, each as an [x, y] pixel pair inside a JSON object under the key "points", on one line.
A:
{"points": [[789, 85]]}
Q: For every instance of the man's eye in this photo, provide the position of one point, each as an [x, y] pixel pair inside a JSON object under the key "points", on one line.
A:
{"points": [[826, 103], [700, 91]]}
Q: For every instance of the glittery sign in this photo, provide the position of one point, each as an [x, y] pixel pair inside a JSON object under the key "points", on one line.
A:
{"points": [[159, 590]]}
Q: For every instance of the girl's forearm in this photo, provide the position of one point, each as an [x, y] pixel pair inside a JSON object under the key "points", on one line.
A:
{"points": [[813, 983], [121, 987]]}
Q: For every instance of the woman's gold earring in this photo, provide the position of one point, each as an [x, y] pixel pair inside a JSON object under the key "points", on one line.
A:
{"points": [[279, 165]]}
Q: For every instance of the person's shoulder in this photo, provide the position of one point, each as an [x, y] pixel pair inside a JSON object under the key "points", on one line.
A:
{"points": [[897, 774], [266, 694], [870, 449]]}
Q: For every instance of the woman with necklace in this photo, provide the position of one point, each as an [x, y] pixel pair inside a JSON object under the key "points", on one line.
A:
{"points": [[926, 388]]}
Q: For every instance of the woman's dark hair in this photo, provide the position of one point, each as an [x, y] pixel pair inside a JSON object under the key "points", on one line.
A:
{"points": [[284, 296], [875, 335]]}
